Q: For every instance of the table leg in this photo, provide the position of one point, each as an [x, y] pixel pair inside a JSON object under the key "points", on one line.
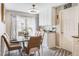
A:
{"points": [[23, 45]]}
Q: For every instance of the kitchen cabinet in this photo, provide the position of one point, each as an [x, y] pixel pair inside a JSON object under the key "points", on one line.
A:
{"points": [[51, 39], [75, 51], [68, 26]]}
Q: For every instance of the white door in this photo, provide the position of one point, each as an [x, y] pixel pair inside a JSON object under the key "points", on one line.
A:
{"points": [[69, 27]]}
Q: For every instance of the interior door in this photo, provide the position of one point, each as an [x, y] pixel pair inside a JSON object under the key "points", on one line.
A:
{"points": [[69, 27]]}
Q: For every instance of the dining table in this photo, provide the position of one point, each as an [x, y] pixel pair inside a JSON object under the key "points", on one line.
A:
{"points": [[23, 41]]}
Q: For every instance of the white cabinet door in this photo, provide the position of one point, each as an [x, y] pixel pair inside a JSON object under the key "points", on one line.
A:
{"points": [[69, 27], [76, 50], [51, 39]]}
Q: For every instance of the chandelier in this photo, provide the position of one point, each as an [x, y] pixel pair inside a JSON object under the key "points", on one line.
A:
{"points": [[33, 10]]}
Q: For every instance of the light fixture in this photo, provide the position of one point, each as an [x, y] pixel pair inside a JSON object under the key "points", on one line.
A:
{"points": [[33, 10]]}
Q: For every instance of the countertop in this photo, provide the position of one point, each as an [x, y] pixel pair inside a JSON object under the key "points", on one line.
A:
{"points": [[49, 31], [75, 36]]}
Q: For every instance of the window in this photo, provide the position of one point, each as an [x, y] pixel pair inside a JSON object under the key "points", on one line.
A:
{"points": [[21, 23]]}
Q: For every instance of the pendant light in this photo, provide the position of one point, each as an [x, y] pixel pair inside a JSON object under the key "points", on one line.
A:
{"points": [[33, 10]]}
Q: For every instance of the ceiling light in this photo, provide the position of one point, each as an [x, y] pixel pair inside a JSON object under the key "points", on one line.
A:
{"points": [[33, 10]]}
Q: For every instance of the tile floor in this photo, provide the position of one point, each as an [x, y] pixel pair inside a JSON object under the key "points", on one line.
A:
{"points": [[46, 52]]}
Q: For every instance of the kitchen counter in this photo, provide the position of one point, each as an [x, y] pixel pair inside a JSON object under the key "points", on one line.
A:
{"points": [[49, 31]]}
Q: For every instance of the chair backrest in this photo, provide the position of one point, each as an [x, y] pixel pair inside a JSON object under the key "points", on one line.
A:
{"points": [[34, 42], [5, 40], [40, 33], [7, 36]]}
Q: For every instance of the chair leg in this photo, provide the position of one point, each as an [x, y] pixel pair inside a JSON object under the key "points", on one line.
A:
{"points": [[39, 52], [35, 53], [8, 53], [20, 52]]}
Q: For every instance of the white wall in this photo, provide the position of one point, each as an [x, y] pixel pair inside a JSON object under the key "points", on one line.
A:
{"points": [[45, 16], [0, 38], [0, 11], [2, 30], [8, 22]]}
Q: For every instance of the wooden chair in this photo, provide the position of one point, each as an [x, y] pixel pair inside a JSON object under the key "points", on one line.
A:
{"points": [[11, 41], [33, 45], [11, 46]]}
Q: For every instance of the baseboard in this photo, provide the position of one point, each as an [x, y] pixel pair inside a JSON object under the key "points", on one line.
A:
{"points": [[57, 46]]}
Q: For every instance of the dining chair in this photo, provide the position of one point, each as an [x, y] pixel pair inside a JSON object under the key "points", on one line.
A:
{"points": [[33, 45], [11, 41], [11, 46], [40, 32]]}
